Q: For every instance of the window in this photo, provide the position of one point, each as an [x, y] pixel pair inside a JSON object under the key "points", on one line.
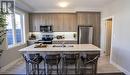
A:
{"points": [[15, 29], [10, 30], [19, 27]]}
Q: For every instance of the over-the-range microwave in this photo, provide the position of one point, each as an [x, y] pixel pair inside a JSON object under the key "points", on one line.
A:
{"points": [[46, 28]]}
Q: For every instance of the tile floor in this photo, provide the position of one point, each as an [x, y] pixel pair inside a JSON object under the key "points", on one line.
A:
{"points": [[103, 67]]}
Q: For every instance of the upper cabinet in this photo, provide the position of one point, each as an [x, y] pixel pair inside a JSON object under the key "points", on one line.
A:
{"points": [[70, 23], [60, 22], [38, 19], [34, 22], [64, 22], [88, 18], [82, 19]]}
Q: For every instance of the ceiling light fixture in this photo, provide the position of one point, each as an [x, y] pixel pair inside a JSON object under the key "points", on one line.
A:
{"points": [[63, 4]]}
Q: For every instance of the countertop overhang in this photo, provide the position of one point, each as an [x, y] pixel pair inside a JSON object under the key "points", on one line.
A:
{"points": [[50, 48]]}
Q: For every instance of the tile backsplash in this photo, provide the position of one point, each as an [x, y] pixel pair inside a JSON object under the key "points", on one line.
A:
{"points": [[66, 35]]}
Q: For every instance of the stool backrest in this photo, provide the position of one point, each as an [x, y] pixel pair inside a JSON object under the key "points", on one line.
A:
{"points": [[70, 58], [25, 58], [32, 57], [92, 57], [52, 59]]}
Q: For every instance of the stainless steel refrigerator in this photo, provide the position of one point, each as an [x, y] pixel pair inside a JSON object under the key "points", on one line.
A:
{"points": [[85, 34]]}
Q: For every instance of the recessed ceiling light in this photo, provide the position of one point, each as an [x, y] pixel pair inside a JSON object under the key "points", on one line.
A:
{"points": [[63, 4]]}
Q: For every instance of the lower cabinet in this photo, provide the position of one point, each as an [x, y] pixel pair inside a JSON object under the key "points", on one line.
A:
{"points": [[31, 42], [65, 42]]}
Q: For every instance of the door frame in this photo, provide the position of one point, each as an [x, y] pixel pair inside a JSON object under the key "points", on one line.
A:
{"points": [[112, 36]]}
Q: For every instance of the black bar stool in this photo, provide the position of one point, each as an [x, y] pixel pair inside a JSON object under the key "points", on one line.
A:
{"points": [[68, 60], [52, 60], [89, 63], [34, 60]]}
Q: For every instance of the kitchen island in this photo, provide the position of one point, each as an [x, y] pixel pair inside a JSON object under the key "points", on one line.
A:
{"points": [[62, 48]]}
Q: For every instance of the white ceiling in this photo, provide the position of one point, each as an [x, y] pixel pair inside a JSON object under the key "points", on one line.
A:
{"points": [[51, 5]]}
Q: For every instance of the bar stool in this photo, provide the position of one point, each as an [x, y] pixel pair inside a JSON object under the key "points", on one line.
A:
{"points": [[68, 60], [52, 60], [34, 60], [89, 63]]}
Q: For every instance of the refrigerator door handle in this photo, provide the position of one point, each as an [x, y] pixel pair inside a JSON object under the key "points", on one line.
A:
{"points": [[90, 35], [79, 36]]}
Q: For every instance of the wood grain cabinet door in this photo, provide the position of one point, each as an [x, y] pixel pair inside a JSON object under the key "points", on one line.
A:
{"points": [[35, 22], [50, 19], [69, 22], [32, 25], [47, 19], [38, 22], [58, 22], [82, 19], [64, 22], [43, 19]]}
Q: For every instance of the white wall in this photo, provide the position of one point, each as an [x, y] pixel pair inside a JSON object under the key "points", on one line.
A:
{"points": [[120, 10]]}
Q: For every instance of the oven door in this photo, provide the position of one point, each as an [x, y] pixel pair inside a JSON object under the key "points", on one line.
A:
{"points": [[47, 42]]}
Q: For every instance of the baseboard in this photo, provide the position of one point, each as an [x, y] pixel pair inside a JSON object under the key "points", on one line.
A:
{"points": [[3, 69], [120, 68]]}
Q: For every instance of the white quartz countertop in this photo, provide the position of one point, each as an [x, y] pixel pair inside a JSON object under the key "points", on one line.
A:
{"points": [[68, 48]]}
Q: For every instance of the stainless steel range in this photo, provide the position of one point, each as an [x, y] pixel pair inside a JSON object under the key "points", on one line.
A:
{"points": [[46, 39], [47, 34]]}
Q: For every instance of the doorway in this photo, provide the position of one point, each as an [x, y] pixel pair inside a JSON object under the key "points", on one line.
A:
{"points": [[108, 25]]}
